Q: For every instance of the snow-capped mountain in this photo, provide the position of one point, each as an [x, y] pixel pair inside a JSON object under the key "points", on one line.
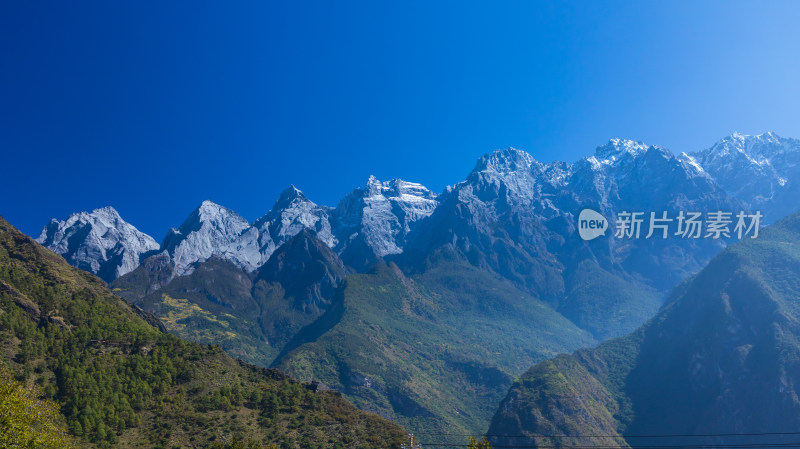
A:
{"points": [[516, 216], [100, 242], [374, 221], [368, 224], [631, 175], [213, 230], [292, 213], [761, 170]]}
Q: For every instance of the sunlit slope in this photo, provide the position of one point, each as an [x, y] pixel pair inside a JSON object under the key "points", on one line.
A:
{"points": [[121, 382]]}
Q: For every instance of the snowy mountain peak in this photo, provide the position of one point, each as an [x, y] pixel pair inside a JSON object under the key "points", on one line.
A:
{"points": [[377, 218], [100, 242], [292, 213], [617, 149], [397, 188], [374, 186], [210, 210], [212, 216], [758, 151], [290, 198], [211, 230], [107, 211], [757, 169], [290, 194], [505, 161]]}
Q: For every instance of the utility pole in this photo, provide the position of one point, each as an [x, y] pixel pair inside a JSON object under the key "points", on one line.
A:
{"points": [[411, 444]]}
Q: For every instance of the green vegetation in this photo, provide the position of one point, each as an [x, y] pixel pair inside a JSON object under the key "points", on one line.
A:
{"points": [[436, 352], [483, 443], [120, 382], [251, 315], [722, 356], [26, 420], [607, 305], [212, 305]]}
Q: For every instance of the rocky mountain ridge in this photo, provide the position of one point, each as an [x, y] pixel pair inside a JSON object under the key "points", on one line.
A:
{"points": [[100, 242], [512, 215], [375, 219]]}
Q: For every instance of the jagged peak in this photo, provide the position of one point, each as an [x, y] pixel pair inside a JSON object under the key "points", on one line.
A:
{"points": [[395, 187], [756, 148], [505, 161], [107, 210], [209, 205], [210, 209], [742, 139], [291, 193], [211, 212], [290, 198], [107, 215], [104, 212], [374, 186], [85, 237], [616, 149]]}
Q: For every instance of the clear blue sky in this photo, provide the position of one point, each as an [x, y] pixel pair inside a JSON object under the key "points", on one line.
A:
{"points": [[152, 107]]}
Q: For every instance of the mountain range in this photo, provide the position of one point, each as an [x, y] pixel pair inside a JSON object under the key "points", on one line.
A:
{"points": [[116, 380], [425, 307], [718, 365]]}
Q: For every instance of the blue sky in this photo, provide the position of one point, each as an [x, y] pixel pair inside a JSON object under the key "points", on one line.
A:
{"points": [[152, 107]]}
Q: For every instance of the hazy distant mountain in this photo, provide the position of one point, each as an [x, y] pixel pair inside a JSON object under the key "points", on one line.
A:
{"points": [[517, 217], [762, 171], [100, 242], [721, 357]]}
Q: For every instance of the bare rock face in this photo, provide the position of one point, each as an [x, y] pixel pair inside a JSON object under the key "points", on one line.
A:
{"points": [[292, 213], [369, 223], [375, 221], [100, 242], [213, 230]]}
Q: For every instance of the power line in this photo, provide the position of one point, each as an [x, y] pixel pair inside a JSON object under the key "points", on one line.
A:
{"points": [[687, 446], [600, 446], [531, 436]]}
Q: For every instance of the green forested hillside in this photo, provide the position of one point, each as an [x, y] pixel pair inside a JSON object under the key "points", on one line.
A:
{"points": [[722, 357], [436, 352], [251, 315], [121, 382]]}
